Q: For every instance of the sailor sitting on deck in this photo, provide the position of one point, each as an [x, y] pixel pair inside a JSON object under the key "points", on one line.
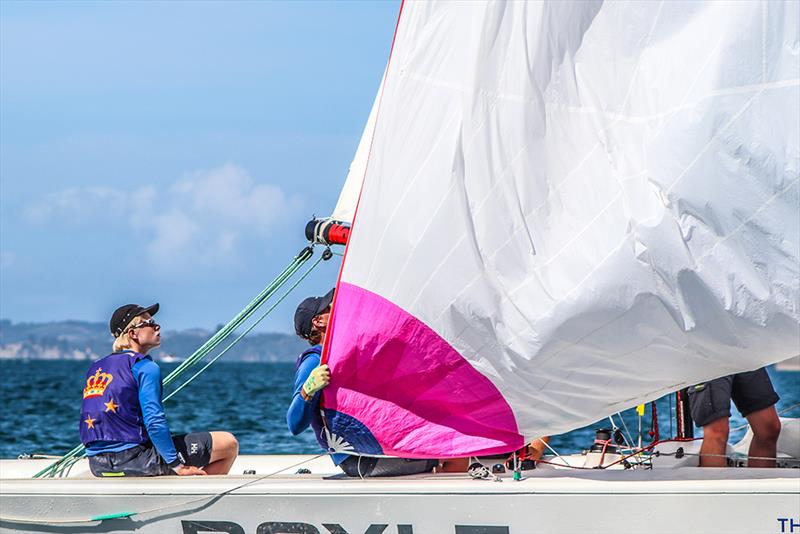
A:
{"points": [[123, 425], [755, 398], [310, 378]]}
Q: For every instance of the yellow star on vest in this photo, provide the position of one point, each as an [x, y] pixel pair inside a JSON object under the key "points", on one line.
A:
{"points": [[90, 422], [110, 406]]}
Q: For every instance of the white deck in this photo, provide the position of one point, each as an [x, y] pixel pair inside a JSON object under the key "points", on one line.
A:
{"points": [[685, 499]]}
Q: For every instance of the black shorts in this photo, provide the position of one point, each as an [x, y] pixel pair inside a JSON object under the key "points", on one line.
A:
{"points": [[750, 391], [143, 460], [195, 448]]}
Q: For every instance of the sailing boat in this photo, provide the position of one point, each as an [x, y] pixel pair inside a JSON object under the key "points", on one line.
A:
{"points": [[559, 210]]}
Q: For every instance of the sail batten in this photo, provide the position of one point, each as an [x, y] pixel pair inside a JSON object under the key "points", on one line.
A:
{"points": [[573, 208]]}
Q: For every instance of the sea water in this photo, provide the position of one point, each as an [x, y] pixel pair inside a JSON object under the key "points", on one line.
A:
{"points": [[40, 403]]}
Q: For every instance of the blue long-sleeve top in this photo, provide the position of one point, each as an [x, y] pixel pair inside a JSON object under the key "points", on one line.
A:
{"points": [[301, 412], [147, 374]]}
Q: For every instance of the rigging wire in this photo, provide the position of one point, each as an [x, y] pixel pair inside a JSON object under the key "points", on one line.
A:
{"points": [[658, 453], [554, 452], [629, 437], [638, 451]]}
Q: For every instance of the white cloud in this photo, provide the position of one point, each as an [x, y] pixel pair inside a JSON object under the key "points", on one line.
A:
{"points": [[174, 235], [202, 217], [69, 205], [228, 194]]}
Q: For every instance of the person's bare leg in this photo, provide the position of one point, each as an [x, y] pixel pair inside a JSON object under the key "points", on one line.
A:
{"points": [[766, 426], [224, 450], [537, 447], [715, 442]]}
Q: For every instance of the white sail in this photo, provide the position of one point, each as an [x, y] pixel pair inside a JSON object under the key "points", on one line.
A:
{"points": [[591, 204], [348, 197]]}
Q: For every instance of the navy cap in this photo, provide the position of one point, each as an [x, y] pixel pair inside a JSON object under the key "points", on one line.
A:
{"points": [[307, 310], [123, 315]]}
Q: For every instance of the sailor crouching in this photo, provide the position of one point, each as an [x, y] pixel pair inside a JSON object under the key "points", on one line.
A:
{"points": [[310, 378], [123, 424]]}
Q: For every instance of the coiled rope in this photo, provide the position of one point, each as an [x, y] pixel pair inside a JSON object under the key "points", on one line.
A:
{"points": [[71, 457]]}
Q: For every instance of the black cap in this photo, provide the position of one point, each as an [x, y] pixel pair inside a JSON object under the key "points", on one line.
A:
{"points": [[307, 310], [124, 314]]}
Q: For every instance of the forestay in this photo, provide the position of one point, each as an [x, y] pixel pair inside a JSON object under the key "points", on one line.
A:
{"points": [[568, 209]]}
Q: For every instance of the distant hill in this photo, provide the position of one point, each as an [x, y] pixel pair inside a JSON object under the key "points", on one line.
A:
{"points": [[81, 340]]}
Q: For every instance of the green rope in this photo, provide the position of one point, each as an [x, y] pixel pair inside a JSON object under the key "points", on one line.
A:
{"points": [[239, 338], [219, 336], [71, 457], [60, 465]]}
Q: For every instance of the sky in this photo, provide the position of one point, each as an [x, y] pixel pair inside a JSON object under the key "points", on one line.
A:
{"points": [[172, 152]]}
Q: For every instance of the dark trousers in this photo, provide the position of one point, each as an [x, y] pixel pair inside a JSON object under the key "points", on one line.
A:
{"points": [[364, 466]]}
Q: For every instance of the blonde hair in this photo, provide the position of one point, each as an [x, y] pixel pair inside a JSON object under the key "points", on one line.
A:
{"points": [[123, 341]]}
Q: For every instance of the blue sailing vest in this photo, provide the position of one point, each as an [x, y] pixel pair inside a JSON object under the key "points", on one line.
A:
{"points": [[110, 410], [316, 419]]}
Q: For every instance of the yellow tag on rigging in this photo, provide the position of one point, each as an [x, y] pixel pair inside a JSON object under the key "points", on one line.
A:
{"points": [[640, 410]]}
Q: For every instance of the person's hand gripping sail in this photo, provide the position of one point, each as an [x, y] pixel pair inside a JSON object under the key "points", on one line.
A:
{"points": [[319, 379]]}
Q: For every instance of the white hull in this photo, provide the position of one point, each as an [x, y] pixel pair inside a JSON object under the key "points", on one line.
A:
{"points": [[672, 499]]}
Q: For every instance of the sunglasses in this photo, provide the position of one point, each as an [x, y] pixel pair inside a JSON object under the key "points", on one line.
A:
{"points": [[145, 324]]}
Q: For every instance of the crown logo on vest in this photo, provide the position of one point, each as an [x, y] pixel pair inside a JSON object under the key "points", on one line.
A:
{"points": [[97, 383]]}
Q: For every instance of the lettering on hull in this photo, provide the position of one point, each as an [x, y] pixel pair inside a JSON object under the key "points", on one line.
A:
{"points": [[281, 527], [788, 524]]}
